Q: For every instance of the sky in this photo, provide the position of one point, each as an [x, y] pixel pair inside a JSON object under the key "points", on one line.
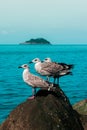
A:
{"points": [[58, 21]]}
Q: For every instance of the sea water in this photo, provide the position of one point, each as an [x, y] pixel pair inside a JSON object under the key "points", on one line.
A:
{"points": [[14, 91]]}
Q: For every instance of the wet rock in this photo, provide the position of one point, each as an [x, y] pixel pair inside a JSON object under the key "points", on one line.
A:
{"points": [[81, 108], [50, 110]]}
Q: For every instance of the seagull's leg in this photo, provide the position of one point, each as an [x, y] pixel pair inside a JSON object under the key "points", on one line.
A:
{"points": [[48, 78], [33, 93], [58, 80], [54, 80]]}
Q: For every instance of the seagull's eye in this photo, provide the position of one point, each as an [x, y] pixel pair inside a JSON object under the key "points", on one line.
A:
{"points": [[25, 65], [35, 59], [45, 59]]}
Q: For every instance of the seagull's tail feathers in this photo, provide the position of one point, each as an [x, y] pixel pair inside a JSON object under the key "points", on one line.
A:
{"points": [[67, 66], [69, 73], [65, 72], [71, 66]]}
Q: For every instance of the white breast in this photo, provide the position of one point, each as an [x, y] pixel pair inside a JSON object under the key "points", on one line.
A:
{"points": [[38, 67], [25, 75]]}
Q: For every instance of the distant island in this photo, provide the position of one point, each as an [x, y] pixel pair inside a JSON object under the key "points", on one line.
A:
{"points": [[36, 41]]}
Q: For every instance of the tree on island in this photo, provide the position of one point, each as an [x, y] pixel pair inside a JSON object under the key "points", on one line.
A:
{"points": [[37, 41]]}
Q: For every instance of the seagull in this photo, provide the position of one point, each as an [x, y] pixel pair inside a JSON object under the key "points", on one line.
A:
{"points": [[66, 66], [38, 64], [38, 67], [34, 81], [47, 68], [65, 71]]}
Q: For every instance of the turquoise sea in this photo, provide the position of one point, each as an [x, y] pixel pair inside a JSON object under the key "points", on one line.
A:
{"points": [[14, 91]]}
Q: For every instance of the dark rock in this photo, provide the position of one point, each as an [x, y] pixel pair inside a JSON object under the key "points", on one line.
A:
{"points": [[81, 108], [50, 110], [84, 121]]}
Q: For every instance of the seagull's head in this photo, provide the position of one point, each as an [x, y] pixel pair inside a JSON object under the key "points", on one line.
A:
{"points": [[36, 60], [24, 66], [47, 59]]}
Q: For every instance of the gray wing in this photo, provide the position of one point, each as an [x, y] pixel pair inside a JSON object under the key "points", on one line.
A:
{"points": [[36, 81], [45, 64], [52, 67]]}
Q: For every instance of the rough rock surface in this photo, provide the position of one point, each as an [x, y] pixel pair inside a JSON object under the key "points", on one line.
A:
{"points": [[50, 110], [81, 108]]}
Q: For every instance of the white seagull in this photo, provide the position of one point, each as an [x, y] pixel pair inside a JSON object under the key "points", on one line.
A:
{"points": [[66, 66], [34, 81], [47, 68], [39, 68], [65, 71]]}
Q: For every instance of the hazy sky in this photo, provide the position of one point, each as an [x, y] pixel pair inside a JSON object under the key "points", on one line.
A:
{"points": [[59, 21]]}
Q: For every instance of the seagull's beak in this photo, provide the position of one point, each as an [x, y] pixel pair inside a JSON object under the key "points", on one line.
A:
{"points": [[30, 62], [20, 67]]}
